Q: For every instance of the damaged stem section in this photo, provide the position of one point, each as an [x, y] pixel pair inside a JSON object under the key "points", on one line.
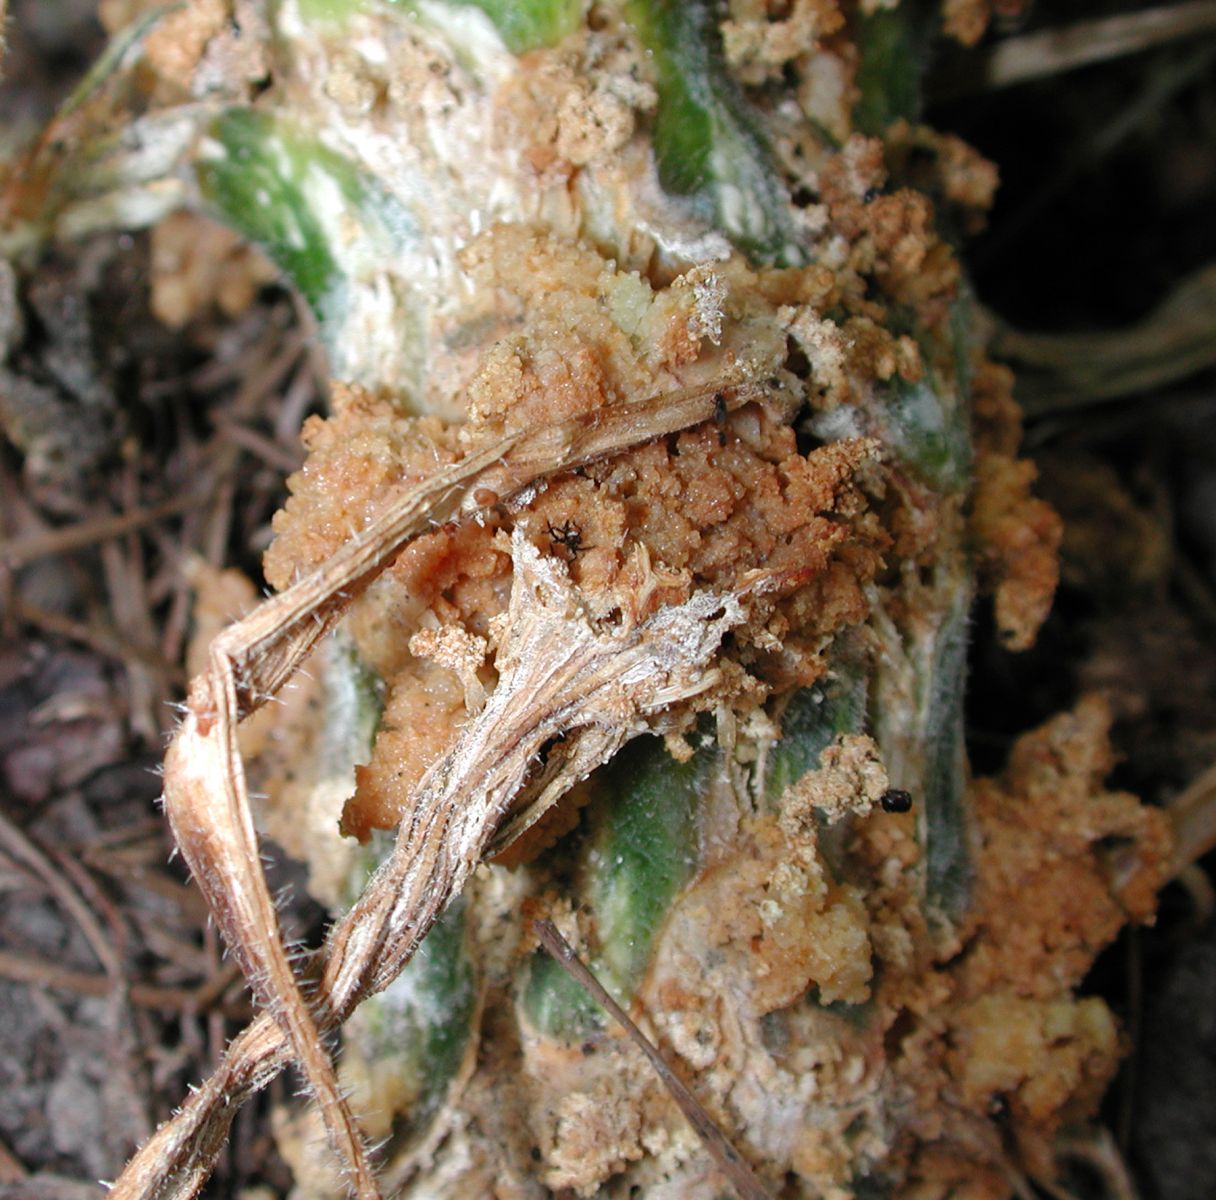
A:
{"points": [[657, 413], [724, 1154], [595, 683], [655, 661], [560, 675]]}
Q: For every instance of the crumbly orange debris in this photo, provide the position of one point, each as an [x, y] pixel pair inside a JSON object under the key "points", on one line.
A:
{"points": [[996, 419], [964, 178], [891, 236], [459, 651], [706, 506], [1017, 536], [705, 514], [572, 331], [192, 47], [966, 20], [573, 106], [566, 332], [906, 1073], [761, 36], [1019, 539], [850, 778], [359, 460], [901, 1075], [195, 263], [1061, 865], [176, 43], [1053, 834]]}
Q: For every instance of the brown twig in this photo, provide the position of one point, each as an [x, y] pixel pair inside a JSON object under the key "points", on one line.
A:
{"points": [[142, 866], [1054, 51], [301, 393], [272, 453], [12, 1170], [728, 1159], [17, 844], [213, 951], [269, 376], [1100, 1153], [1193, 812], [204, 998], [184, 958], [83, 534], [141, 830], [103, 641], [1066, 372], [1195, 882], [125, 589], [214, 540], [93, 895]]}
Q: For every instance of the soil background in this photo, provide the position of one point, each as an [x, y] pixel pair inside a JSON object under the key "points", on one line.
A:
{"points": [[114, 994]]}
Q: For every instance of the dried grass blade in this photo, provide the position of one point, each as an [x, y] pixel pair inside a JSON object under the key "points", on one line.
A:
{"points": [[208, 808]]}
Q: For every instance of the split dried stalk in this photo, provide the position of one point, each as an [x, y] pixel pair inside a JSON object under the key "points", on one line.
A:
{"points": [[561, 672], [208, 804]]}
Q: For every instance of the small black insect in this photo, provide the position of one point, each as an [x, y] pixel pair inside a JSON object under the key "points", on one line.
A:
{"points": [[896, 800], [566, 534]]}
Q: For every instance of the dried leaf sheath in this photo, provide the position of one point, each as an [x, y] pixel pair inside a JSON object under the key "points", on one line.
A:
{"points": [[205, 760], [254, 658]]}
